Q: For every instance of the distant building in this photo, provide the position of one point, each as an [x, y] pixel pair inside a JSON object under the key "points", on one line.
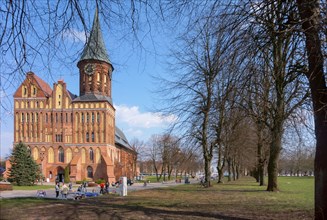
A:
{"points": [[62, 129]]}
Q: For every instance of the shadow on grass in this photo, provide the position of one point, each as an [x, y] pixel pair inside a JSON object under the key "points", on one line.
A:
{"points": [[100, 210]]}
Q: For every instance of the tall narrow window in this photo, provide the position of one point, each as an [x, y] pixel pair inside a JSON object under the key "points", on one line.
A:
{"points": [[89, 172], [83, 155], [22, 117], [71, 117], [91, 154], [61, 154], [66, 117], [98, 117], [82, 117], [68, 155], [92, 117], [56, 117], [50, 155], [46, 117], [92, 136], [87, 137], [87, 117]]}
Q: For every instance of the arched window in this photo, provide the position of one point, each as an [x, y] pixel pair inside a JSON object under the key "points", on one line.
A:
{"points": [[97, 156], [50, 155], [91, 155], [89, 172], [82, 118], [98, 117], [87, 137], [68, 155], [35, 153], [83, 155], [61, 154]]}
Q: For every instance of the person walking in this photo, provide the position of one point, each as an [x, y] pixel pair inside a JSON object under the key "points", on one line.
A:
{"points": [[64, 191], [57, 189], [101, 188], [107, 187]]}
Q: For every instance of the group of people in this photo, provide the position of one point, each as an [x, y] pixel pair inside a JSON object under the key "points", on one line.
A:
{"points": [[64, 189], [104, 188]]}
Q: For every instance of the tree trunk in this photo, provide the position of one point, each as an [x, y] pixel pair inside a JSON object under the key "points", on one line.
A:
{"points": [[275, 148], [261, 173], [207, 170], [229, 169], [260, 167], [309, 13], [234, 169], [220, 165]]}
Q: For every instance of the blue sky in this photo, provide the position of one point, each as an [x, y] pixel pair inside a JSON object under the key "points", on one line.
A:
{"points": [[132, 85]]}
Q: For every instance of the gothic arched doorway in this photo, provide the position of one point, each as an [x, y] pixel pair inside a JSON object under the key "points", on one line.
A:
{"points": [[60, 174]]}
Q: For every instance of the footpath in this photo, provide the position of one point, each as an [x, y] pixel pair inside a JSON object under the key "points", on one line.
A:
{"points": [[50, 193]]}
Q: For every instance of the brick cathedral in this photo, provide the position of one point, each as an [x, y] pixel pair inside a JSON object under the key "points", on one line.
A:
{"points": [[62, 129]]}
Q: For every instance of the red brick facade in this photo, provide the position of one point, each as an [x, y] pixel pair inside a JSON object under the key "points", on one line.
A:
{"points": [[62, 132], [62, 129]]}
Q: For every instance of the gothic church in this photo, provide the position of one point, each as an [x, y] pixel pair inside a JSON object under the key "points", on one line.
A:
{"points": [[64, 130]]}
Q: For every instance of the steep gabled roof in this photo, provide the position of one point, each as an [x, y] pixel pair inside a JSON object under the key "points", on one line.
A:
{"points": [[71, 95], [43, 85], [121, 139], [95, 48], [32, 78]]}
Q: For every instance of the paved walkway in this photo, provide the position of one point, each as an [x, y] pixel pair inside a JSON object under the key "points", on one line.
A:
{"points": [[50, 193]]}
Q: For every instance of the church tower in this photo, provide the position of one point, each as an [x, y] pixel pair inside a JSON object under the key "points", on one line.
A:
{"points": [[95, 67], [79, 132]]}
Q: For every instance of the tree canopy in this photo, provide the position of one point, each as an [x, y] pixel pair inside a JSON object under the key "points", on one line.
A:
{"points": [[24, 170]]}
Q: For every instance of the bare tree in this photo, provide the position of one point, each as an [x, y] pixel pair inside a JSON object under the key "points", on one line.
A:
{"points": [[312, 26], [138, 147], [154, 154]]}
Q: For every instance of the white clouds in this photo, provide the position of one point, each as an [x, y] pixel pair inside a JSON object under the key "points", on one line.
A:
{"points": [[135, 123], [74, 35], [134, 118]]}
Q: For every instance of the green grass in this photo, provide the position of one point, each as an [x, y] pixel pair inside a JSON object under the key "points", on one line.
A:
{"points": [[35, 187], [242, 198]]}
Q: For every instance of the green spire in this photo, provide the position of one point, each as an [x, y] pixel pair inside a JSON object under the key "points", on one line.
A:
{"points": [[95, 48]]}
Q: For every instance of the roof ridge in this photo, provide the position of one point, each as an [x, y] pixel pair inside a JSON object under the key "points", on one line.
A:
{"points": [[45, 87]]}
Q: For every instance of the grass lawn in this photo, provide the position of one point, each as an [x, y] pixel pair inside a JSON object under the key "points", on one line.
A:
{"points": [[242, 199]]}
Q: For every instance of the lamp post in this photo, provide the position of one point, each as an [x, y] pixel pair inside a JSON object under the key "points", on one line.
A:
{"points": [[41, 158]]}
